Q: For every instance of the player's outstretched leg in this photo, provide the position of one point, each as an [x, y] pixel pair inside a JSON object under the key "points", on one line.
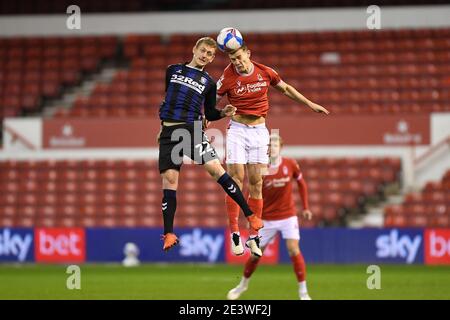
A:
{"points": [[169, 206], [233, 221], [255, 203], [250, 267], [216, 170]]}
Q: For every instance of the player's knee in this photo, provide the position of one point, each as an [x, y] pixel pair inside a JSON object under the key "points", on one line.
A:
{"points": [[255, 186], [170, 180], [237, 176], [255, 180], [293, 250]]}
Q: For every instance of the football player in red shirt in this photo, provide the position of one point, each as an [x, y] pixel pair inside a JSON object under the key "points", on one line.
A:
{"points": [[246, 84], [280, 215]]}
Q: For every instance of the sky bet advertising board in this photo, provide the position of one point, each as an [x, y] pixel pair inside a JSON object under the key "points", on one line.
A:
{"points": [[210, 245]]}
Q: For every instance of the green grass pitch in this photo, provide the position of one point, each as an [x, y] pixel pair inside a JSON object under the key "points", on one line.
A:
{"points": [[205, 282]]}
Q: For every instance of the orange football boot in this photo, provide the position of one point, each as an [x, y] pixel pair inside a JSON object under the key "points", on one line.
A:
{"points": [[170, 240]]}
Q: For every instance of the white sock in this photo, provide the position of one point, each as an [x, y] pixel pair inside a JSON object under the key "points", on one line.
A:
{"points": [[244, 282], [302, 288]]}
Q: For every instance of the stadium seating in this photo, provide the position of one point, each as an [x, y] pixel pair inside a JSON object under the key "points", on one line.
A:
{"points": [[34, 69], [429, 208], [110, 193], [344, 71]]}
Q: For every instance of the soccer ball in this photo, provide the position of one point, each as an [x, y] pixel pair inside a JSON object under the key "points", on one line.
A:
{"points": [[229, 39], [131, 252]]}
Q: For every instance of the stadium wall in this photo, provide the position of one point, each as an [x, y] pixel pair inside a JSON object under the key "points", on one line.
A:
{"points": [[211, 245], [403, 136], [281, 20]]}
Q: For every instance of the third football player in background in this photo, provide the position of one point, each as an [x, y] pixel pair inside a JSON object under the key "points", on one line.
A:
{"points": [[280, 215], [246, 84]]}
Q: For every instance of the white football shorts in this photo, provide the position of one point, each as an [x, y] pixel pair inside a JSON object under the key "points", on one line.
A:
{"points": [[288, 227], [247, 144]]}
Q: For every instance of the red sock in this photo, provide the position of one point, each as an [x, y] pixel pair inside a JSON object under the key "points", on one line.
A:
{"points": [[256, 205], [233, 214], [299, 267], [250, 267]]}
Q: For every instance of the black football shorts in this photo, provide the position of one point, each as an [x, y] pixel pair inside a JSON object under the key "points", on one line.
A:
{"points": [[187, 139]]}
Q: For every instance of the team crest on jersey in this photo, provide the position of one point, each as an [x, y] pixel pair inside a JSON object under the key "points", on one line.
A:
{"points": [[203, 80], [285, 170], [260, 78]]}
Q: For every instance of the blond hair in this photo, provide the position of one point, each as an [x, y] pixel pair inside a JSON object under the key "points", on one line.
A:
{"points": [[275, 137], [208, 41]]}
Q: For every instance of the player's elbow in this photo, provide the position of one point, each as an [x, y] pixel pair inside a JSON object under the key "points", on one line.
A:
{"points": [[286, 90], [289, 89]]}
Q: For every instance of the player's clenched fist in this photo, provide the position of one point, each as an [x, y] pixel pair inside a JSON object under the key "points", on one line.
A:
{"points": [[228, 111], [307, 214]]}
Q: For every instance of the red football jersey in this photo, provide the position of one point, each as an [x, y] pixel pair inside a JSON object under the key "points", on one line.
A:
{"points": [[248, 92], [277, 191]]}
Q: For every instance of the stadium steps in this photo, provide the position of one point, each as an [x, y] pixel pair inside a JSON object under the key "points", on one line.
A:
{"points": [[375, 214], [427, 208], [105, 75]]}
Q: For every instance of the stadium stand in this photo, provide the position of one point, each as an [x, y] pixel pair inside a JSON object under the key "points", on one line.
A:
{"points": [[429, 208], [35, 69], [341, 70], [127, 192]]}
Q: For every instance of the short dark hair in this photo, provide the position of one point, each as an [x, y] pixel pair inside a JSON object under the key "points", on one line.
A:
{"points": [[243, 47]]}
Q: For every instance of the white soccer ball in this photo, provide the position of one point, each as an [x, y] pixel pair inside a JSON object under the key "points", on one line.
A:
{"points": [[229, 39], [131, 252]]}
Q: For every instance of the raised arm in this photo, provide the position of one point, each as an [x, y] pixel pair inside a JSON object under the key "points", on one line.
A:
{"points": [[292, 93]]}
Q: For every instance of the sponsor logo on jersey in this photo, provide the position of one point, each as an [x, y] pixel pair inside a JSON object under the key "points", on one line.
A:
{"points": [[250, 87], [240, 90], [255, 87], [276, 183], [188, 82]]}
